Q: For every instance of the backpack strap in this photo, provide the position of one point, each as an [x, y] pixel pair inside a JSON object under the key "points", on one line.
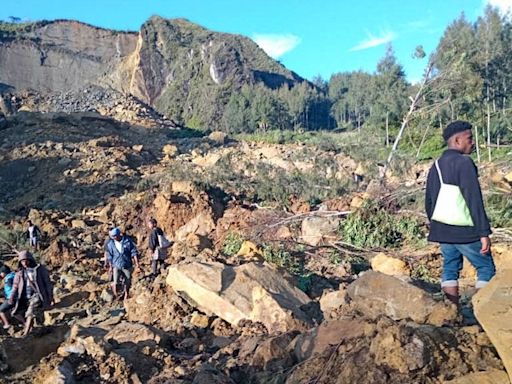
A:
{"points": [[439, 172]]}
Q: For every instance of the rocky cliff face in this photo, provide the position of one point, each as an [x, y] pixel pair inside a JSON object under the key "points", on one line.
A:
{"points": [[61, 55], [181, 69]]}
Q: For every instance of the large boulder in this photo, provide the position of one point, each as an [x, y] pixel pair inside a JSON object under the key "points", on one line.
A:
{"points": [[252, 291], [486, 377], [376, 294], [492, 305]]}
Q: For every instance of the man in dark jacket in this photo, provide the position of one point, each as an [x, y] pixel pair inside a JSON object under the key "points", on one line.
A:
{"points": [[470, 235], [32, 291], [33, 235], [158, 252], [122, 255]]}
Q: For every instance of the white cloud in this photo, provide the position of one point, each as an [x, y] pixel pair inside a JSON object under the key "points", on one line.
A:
{"points": [[505, 6], [276, 45], [374, 41]]}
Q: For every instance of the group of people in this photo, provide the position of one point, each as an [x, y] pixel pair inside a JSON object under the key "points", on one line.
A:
{"points": [[453, 203], [28, 291], [121, 255]]}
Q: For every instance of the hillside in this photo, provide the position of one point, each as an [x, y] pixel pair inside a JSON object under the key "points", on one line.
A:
{"points": [[183, 70]]}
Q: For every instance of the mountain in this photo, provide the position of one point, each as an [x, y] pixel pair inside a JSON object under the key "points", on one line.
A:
{"points": [[181, 69]]}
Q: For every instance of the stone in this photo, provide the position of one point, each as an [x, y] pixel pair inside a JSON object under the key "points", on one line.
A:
{"points": [[251, 291], [400, 351], [198, 320], [54, 316], [126, 332], [389, 265], [107, 296], [138, 148], [316, 229], [169, 150], [85, 340], [249, 250], [331, 301], [78, 223], [275, 352], [487, 377], [329, 334], [218, 137], [376, 294], [493, 307], [62, 374]]}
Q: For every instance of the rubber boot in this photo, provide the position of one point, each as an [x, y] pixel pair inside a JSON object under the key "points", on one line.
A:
{"points": [[452, 294]]}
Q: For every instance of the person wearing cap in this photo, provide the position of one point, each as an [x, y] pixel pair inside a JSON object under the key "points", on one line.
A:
{"points": [[32, 290], [455, 208], [122, 254], [8, 277]]}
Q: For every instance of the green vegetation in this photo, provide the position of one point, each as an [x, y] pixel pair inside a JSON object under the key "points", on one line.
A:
{"points": [[373, 226], [293, 263], [232, 244], [499, 209]]}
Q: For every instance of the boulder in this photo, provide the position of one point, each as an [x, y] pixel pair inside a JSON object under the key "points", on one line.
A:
{"points": [[126, 332], [62, 374], [252, 291], [389, 265], [58, 315], [85, 340], [330, 301], [492, 309], [487, 377], [329, 334], [376, 294], [315, 229]]}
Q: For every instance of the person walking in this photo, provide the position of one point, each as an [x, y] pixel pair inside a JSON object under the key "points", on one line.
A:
{"points": [[455, 208], [32, 290], [33, 235], [122, 254], [8, 277], [158, 245]]}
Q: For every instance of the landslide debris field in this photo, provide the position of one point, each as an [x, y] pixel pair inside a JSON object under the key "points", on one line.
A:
{"points": [[282, 269]]}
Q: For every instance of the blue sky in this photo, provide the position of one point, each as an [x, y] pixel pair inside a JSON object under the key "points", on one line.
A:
{"points": [[309, 37]]}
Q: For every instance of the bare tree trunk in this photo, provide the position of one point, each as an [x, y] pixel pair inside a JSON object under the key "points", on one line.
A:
{"points": [[387, 129], [477, 145], [414, 102], [422, 141], [489, 130]]}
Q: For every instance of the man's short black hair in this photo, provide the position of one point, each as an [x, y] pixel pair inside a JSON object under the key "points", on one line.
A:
{"points": [[455, 127]]}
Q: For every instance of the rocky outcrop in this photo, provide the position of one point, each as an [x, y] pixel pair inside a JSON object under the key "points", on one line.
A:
{"points": [[251, 291]]}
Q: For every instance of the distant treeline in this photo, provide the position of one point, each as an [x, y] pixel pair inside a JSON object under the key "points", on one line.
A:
{"points": [[472, 66]]}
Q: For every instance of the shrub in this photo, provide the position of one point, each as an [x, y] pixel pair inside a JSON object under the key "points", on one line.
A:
{"points": [[232, 244], [373, 226]]}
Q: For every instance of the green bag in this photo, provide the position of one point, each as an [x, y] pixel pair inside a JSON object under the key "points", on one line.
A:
{"points": [[451, 208]]}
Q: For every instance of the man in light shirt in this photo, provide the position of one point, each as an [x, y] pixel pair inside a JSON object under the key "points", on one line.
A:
{"points": [[122, 254]]}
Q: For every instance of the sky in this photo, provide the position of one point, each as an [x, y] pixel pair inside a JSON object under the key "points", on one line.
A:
{"points": [[309, 37]]}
